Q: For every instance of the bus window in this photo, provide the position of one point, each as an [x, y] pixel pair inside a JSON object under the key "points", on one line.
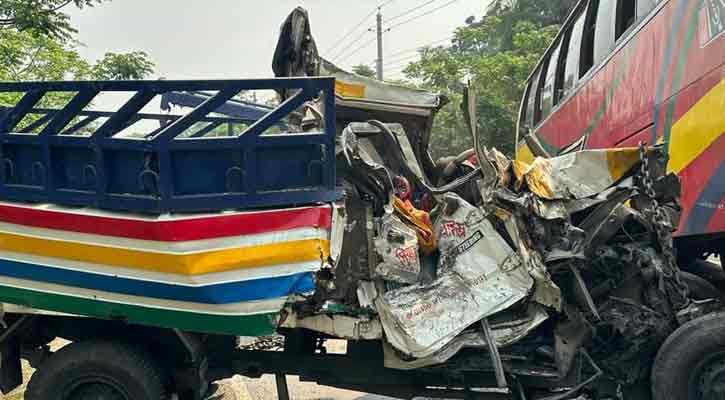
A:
{"points": [[604, 30], [571, 69], [559, 79], [586, 59], [524, 110], [531, 101], [626, 16], [547, 92], [644, 7]]}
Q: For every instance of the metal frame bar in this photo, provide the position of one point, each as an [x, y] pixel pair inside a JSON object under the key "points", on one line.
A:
{"points": [[188, 172]]}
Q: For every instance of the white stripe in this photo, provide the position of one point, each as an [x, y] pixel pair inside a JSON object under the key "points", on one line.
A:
{"points": [[242, 308], [244, 274], [175, 248], [93, 212]]}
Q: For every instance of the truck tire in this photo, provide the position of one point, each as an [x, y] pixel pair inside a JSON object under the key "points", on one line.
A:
{"points": [[690, 365], [700, 289], [94, 370]]}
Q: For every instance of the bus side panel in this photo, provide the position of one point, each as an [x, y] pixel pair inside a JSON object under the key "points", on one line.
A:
{"points": [[669, 80]]}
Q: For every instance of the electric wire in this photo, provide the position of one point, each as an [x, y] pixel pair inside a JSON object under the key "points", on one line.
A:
{"points": [[354, 28], [422, 15], [410, 10], [344, 50], [350, 32], [420, 47], [350, 54], [398, 60]]}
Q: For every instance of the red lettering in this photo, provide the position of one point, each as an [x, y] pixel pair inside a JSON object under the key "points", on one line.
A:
{"points": [[453, 228]]}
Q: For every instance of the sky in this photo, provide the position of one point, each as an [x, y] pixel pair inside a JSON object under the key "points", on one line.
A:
{"points": [[213, 39]]}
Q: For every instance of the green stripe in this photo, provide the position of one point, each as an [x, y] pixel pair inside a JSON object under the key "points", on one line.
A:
{"points": [[240, 325], [548, 147], [677, 76]]}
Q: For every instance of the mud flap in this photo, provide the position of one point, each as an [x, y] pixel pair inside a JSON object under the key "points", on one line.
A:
{"points": [[11, 374]]}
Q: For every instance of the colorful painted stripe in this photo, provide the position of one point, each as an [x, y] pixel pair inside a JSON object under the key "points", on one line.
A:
{"points": [[223, 293], [176, 279], [185, 264], [174, 248], [170, 228], [144, 314], [222, 273]]}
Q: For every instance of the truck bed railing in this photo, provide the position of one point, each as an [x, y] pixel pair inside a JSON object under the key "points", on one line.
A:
{"points": [[75, 156]]}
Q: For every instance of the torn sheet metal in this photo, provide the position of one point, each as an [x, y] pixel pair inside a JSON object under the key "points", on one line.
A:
{"points": [[420, 221], [366, 294], [479, 275], [337, 233], [337, 325], [505, 332], [576, 175], [546, 292], [397, 246]]}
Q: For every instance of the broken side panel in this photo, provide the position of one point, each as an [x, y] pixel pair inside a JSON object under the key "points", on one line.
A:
{"points": [[479, 274]]}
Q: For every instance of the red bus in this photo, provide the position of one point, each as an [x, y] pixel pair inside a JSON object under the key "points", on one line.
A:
{"points": [[624, 71]]}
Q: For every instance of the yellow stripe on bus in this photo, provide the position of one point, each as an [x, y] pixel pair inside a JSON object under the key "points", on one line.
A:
{"points": [[183, 264], [699, 127]]}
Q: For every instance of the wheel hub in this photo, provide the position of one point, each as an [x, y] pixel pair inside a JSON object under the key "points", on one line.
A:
{"points": [[96, 388], [711, 378]]}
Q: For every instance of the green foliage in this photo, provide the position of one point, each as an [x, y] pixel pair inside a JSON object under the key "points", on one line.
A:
{"points": [[120, 66], [43, 17], [496, 54], [26, 56], [364, 70]]}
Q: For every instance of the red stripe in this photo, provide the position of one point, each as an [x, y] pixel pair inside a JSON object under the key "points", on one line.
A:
{"points": [[695, 176], [171, 231]]}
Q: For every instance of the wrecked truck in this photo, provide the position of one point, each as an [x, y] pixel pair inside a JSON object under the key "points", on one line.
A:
{"points": [[153, 248]]}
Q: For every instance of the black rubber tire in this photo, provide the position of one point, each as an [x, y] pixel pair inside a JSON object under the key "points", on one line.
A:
{"points": [[676, 368], [120, 366], [700, 289]]}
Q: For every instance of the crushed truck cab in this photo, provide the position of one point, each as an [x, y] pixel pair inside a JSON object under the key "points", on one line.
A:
{"points": [[152, 243]]}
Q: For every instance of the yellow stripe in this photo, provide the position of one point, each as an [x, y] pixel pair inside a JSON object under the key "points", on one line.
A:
{"points": [[702, 125], [183, 264], [621, 160], [347, 89], [523, 153]]}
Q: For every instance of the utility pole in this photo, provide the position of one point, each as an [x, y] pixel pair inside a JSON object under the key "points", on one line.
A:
{"points": [[379, 61]]}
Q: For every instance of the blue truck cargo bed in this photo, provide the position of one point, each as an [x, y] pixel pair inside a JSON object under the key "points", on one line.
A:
{"points": [[74, 156]]}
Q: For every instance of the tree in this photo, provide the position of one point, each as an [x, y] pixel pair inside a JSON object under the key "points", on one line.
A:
{"points": [[120, 66], [497, 53], [28, 56], [44, 17], [25, 56], [364, 70]]}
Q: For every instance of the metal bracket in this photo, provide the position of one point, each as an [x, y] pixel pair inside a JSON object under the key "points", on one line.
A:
{"points": [[11, 373], [495, 356]]}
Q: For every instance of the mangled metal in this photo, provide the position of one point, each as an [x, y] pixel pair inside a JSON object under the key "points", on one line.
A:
{"points": [[585, 258], [565, 264]]}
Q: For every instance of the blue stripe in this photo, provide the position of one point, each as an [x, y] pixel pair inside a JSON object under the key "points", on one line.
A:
{"points": [[223, 293], [705, 206], [677, 19]]}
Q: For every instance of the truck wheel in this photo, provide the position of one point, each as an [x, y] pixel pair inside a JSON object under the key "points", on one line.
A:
{"points": [[96, 370], [700, 289], [690, 365]]}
